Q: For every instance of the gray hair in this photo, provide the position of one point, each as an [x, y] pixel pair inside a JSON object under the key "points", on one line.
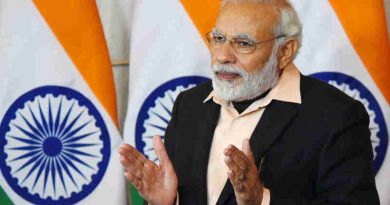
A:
{"points": [[289, 24]]}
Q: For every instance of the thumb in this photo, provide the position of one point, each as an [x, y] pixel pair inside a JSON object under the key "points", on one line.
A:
{"points": [[246, 148], [161, 153]]}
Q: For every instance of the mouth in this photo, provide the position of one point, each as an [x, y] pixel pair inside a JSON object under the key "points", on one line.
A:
{"points": [[229, 76]]}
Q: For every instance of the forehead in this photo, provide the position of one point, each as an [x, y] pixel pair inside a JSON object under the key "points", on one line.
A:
{"points": [[254, 19]]}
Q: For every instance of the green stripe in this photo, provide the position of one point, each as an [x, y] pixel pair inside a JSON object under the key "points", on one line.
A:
{"points": [[136, 199], [4, 200]]}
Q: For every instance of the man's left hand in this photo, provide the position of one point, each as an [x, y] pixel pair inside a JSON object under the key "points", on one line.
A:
{"points": [[243, 174]]}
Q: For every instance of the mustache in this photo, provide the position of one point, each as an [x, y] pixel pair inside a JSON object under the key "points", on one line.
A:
{"points": [[218, 68]]}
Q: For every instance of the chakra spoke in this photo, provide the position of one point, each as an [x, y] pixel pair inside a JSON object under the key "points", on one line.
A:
{"points": [[58, 117], [33, 159], [71, 151], [35, 135], [59, 170], [165, 108], [71, 125], [77, 138], [27, 141], [36, 164], [148, 137], [75, 131], [155, 159], [76, 159], [77, 145], [70, 163], [47, 170], [27, 155], [149, 149], [161, 117], [156, 126], [53, 175], [67, 170], [37, 123], [65, 120], [43, 118], [51, 124], [41, 167], [171, 99], [26, 148]]}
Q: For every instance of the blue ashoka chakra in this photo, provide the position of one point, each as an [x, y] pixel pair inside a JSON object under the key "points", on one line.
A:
{"points": [[355, 89], [54, 146], [156, 112]]}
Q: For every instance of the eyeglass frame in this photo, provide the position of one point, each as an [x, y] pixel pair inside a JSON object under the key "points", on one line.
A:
{"points": [[232, 43]]}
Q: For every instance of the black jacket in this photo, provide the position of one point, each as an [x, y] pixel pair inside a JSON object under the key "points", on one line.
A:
{"points": [[317, 152]]}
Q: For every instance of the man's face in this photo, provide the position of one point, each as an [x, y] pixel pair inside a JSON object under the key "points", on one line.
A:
{"points": [[253, 21], [245, 19]]}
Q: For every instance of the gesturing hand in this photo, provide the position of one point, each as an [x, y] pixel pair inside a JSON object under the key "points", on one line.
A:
{"points": [[243, 174], [157, 184]]}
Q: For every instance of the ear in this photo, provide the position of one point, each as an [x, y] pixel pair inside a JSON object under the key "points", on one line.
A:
{"points": [[287, 52]]}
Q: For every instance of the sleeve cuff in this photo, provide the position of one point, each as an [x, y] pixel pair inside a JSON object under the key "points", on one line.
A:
{"points": [[177, 198], [266, 197]]}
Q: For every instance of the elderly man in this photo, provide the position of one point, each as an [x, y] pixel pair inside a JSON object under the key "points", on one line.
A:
{"points": [[260, 132]]}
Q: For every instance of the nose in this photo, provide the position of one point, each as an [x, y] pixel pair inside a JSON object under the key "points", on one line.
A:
{"points": [[224, 55]]}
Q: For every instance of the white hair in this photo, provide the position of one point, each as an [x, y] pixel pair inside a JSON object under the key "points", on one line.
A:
{"points": [[288, 24], [251, 85]]}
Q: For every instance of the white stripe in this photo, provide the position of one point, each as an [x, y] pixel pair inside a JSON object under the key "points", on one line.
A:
{"points": [[165, 44]]}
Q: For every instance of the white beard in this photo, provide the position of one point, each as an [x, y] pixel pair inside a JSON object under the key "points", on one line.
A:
{"points": [[250, 85]]}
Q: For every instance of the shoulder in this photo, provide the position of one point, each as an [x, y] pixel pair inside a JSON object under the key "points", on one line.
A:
{"points": [[317, 92], [324, 99], [196, 94]]}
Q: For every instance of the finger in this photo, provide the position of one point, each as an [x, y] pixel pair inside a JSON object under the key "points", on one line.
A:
{"points": [[161, 153], [237, 156], [138, 173], [132, 165], [234, 168], [131, 156], [149, 179], [133, 180], [150, 167], [130, 161], [123, 151], [126, 150], [149, 174], [143, 181], [237, 175], [238, 186], [246, 148]]}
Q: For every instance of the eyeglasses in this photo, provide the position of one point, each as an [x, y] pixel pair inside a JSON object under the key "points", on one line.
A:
{"points": [[241, 45]]}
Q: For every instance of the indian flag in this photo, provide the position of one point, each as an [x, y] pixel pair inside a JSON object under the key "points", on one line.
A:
{"points": [[58, 120], [344, 44]]}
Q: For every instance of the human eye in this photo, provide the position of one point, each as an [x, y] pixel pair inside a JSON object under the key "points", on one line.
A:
{"points": [[244, 43], [218, 38]]}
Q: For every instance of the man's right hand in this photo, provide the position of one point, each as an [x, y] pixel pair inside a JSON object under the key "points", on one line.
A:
{"points": [[156, 183]]}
